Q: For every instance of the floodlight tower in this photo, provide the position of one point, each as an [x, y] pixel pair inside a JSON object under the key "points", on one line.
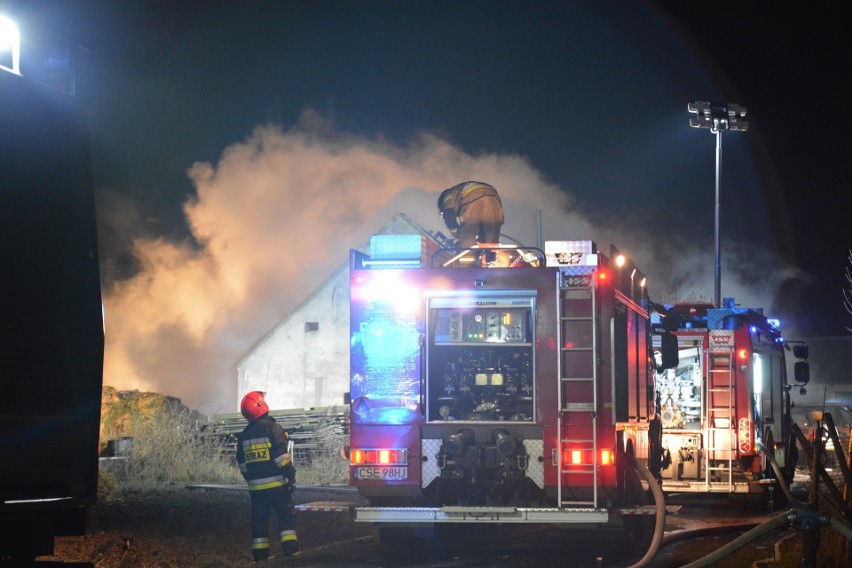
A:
{"points": [[718, 117]]}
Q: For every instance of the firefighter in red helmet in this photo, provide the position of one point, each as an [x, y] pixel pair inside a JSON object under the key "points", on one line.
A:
{"points": [[266, 464]]}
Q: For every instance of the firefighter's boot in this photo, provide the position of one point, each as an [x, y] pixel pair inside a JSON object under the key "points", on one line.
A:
{"points": [[289, 543]]}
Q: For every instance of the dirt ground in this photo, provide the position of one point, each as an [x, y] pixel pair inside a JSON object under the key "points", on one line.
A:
{"points": [[171, 526]]}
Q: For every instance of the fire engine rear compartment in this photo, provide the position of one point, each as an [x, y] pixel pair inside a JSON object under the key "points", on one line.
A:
{"points": [[510, 361]]}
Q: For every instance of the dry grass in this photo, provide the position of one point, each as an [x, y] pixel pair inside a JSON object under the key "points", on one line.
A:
{"points": [[168, 447]]}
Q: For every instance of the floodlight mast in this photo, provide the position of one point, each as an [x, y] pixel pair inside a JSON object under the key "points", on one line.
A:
{"points": [[718, 117]]}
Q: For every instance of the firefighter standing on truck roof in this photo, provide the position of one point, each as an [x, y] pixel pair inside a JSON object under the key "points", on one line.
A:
{"points": [[473, 212], [263, 459]]}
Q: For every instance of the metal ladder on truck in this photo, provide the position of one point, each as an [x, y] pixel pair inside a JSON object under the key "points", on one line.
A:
{"points": [[578, 385], [720, 412]]}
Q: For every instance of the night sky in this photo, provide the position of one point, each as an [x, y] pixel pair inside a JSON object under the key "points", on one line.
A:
{"points": [[290, 131]]}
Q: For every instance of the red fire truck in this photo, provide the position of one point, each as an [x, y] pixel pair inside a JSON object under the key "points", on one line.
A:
{"points": [[725, 397], [499, 385]]}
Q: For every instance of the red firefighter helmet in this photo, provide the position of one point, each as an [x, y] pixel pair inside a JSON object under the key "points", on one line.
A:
{"points": [[253, 406]]}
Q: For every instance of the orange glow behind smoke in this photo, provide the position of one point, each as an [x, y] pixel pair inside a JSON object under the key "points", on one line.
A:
{"points": [[272, 219]]}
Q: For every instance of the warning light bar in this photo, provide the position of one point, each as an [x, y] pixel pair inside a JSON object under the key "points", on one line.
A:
{"points": [[378, 457]]}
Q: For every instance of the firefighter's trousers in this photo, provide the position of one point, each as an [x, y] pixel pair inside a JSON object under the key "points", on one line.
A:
{"points": [[263, 501]]}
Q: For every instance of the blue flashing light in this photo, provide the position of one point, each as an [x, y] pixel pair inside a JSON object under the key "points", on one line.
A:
{"points": [[396, 247], [753, 329], [385, 367], [390, 289], [688, 325]]}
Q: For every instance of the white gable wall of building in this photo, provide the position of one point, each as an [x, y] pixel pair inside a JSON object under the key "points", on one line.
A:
{"points": [[304, 361]]}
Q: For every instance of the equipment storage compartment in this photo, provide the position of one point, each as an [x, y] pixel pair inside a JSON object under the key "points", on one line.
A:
{"points": [[480, 356]]}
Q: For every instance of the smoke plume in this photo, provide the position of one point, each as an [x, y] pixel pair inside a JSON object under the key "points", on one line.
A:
{"points": [[278, 213]]}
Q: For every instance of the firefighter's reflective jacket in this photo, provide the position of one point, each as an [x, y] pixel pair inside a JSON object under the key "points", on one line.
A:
{"points": [[473, 211], [262, 455], [454, 199]]}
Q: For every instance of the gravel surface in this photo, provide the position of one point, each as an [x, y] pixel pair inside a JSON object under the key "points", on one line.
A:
{"points": [[172, 526]]}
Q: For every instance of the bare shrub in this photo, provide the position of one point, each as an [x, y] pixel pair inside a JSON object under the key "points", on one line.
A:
{"points": [[168, 447]]}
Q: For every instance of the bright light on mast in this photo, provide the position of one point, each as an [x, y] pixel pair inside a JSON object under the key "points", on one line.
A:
{"points": [[10, 46], [718, 118]]}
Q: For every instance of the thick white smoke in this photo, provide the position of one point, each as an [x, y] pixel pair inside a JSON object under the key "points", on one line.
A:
{"points": [[278, 214]]}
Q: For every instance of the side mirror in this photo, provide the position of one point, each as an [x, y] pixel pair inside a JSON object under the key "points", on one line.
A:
{"points": [[669, 356], [802, 371], [800, 351]]}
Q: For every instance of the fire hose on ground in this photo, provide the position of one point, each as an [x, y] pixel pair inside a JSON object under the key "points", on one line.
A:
{"points": [[660, 501], [774, 523], [806, 520], [798, 517]]}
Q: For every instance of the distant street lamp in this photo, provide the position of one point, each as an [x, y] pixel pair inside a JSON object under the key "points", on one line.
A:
{"points": [[718, 117]]}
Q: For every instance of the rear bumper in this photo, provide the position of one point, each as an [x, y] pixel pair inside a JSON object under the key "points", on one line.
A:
{"points": [[480, 515]]}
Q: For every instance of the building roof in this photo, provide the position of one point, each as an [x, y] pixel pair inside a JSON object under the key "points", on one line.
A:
{"points": [[399, 224]]}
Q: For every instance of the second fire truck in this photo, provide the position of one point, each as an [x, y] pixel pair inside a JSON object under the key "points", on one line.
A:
{"points": [[725, 400]]}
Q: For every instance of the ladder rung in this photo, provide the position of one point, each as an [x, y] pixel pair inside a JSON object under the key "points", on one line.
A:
{"points": [[577, 379], [578, 407], [578, 318], [576, 349]]}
